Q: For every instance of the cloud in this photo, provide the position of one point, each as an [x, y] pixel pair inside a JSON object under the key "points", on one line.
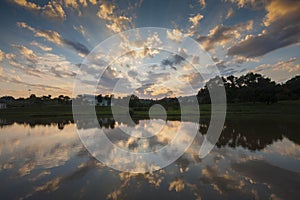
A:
{"points": [[80, 48], [55, 9], [261, 171], [42, 47], [202, 3], [285, 66], [116, 23], [50, 186], [222, 35], [171, 62], [27, 69], [175, 60], [41, 65], [156, 77], [56, 65], [277, 10], [83, 2], [93, 2], [49, 35], [80, 29], [28, 54], [71, 4], [248, 3], [1, 55], [106, 10], [229, 13], [175, 35], [132, 73], [56, 38], [255, 46], [18, 80], [195, 20], [51, 10], [154, 90], [62, 71], [177, 184], [119, 23], [193, 79], [29, 5], [282, 29], [288, 65]]}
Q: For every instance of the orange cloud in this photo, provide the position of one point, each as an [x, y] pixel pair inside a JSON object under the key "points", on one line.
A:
{"points": [[278, 9]]}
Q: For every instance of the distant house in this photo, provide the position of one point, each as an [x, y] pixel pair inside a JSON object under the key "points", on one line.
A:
{"points": [[88, 99], [104, 102], [2, 105]]}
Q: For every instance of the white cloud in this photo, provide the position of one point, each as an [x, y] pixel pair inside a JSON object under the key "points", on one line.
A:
{"points": [[49, 35], [52, 10], [116, 23], [27, 4], [80, 29], [229, 13], [28, 54], [284, 66], [175, 35], [178, 185], [93, 2], [195, 20], [42, 47], [106, 10], [202, 3], [247, 3]]}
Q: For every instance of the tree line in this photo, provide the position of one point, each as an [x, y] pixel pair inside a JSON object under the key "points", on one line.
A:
{"points": [[252, 87], [35, 100]]}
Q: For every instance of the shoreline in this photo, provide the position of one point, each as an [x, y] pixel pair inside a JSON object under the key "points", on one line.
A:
{"points": [[285, 108]]}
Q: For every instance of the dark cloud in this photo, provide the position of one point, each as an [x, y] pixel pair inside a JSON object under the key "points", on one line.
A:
{"points": [[221, 35], [267, 42], [167, 62], [193, 79], [261, 171], [77, 46], [56, 38], [153, 77], [132, 73], [282, 29], [59, 72], [175, 60]]}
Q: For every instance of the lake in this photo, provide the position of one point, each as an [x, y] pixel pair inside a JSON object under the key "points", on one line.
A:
{"points": [[253, 159]]}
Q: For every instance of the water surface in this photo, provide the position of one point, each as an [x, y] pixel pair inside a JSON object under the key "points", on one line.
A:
{"points": [[253, 159]]}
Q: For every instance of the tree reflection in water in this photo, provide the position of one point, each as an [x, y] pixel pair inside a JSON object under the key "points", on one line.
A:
{"points": [[253, 134], [254, 159]]}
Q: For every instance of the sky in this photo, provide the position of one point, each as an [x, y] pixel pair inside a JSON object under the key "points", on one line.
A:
{"points": [[43, 43]]}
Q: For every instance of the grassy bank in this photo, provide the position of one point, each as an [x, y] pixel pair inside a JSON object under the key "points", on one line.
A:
{"points": [[245, 110]]}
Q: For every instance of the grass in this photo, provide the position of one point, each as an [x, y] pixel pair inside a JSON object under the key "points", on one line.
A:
{"points": [[238, 110]]}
